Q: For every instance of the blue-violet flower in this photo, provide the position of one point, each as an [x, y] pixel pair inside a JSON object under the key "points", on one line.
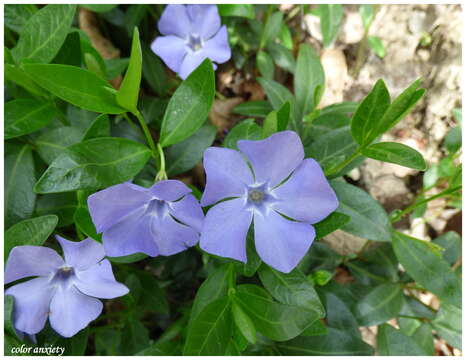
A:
{"points": [[281, 183], [161, 220], [65, 291], [193, 33]]}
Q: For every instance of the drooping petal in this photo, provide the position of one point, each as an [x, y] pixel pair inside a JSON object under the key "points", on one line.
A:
{"points": [[172, 237], [71, 311], [205, 20], [306, 195], [99, 281], [190, 63], [131, 235], [227, 175], [171, 49], [274, 158], [81, 254], [217, 49], [31, 304], [281, 243], [108, 206], [175, 21], [188, 211], [28, 260], [225, 229], [169, 190]]}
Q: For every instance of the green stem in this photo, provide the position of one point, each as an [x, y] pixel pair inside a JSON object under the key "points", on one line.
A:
{"points": [[147, 133], [345, 162], [360, 54], [161, 174]]}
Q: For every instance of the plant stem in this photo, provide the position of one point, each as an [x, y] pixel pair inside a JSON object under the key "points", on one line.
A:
{"points": [[345, 162], [161, 174], [147, 133]]}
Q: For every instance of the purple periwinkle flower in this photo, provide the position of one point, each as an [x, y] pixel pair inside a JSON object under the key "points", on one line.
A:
{"points": [[65, 291], [164, 219], [279, 182], [193, 33]]}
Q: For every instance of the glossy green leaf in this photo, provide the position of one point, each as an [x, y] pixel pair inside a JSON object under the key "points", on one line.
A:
{"points": [[368, 116], [254, 261], [396, 153], [44, 33], [272, 27], [276, 93], [291, 289], [29, 232], [209, 330], [447, 323], [427, 268], [393, 342], [453, 140], [70, 52], [276, 321], [83, 221], [451, 244], [425, 339], [62, 205], [309, 75], [77, 86], [245, 130], [115, 67], [53, 143], [330, 20], [94, 164], [282, 56], [241, 10], [265, 64], [368, 219], [315, 329], [127, 95], [189, 106], [339, 315], [376, 44], [244, 323], [19, 196], [100, 127], [153, 71], [135, 337], [331, 223], [367, 14], [335, 343], [20, 77], [17, 15], [185, 155], [161, 349], [25, 116], [259, 108]]}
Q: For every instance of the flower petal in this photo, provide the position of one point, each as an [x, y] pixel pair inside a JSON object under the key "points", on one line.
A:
{"points": [[205, 20], [225, 229], [274, 158], [109, 206], [175, 21], [172, 237], [31, 304], [306, 195], [81, 254], [98, 281], [188, 211], [169, 190], [171, 49], [227, 175], [71, 310], [131, 235], [190, 63], [281, 243], [28, 260], [217, 49]]}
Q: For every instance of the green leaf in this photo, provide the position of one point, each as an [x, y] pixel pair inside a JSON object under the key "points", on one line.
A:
{"points": [[365, 124], [331, 223], [77, 86], [70, 52], [115, 67], [161, 349], [83, 221], [19, 181], [367, 15], [427, 268], [153, 71], [339, 315], [98, 8], [343, 108], [8, 314], [100, 127], [393, 342], [135, 337], [330, 20], [315, 329], [376, 44], [447, 323], [276, 321], [94, 164], [425, 339], [271, 28], [127, 96], [209, 330], [17, 15], [245, 130], [185, 155], [19, 77], [244, 323], [62, 205], [241, 10], [25, 116], [265, 64], [368, 219], [45, 32], [335, 343], [189, 106], [453, 140], [276, 93], [380, 305], [451, 243], [396, 153], [285, 36], [254, 261], [291, 289], [53, 143], [29, 232], [309, 75], [282, 56], [259, 108]]}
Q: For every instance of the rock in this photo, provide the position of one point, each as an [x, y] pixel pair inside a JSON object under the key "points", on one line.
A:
{"points": [[352, 30], [220, 113], [336, 74], [344, 243], [312, 24]]}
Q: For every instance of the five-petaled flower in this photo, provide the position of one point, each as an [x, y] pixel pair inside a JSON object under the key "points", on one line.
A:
{"points": [[283, 194], [65, 291], [193, 33], [161, 220]]}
